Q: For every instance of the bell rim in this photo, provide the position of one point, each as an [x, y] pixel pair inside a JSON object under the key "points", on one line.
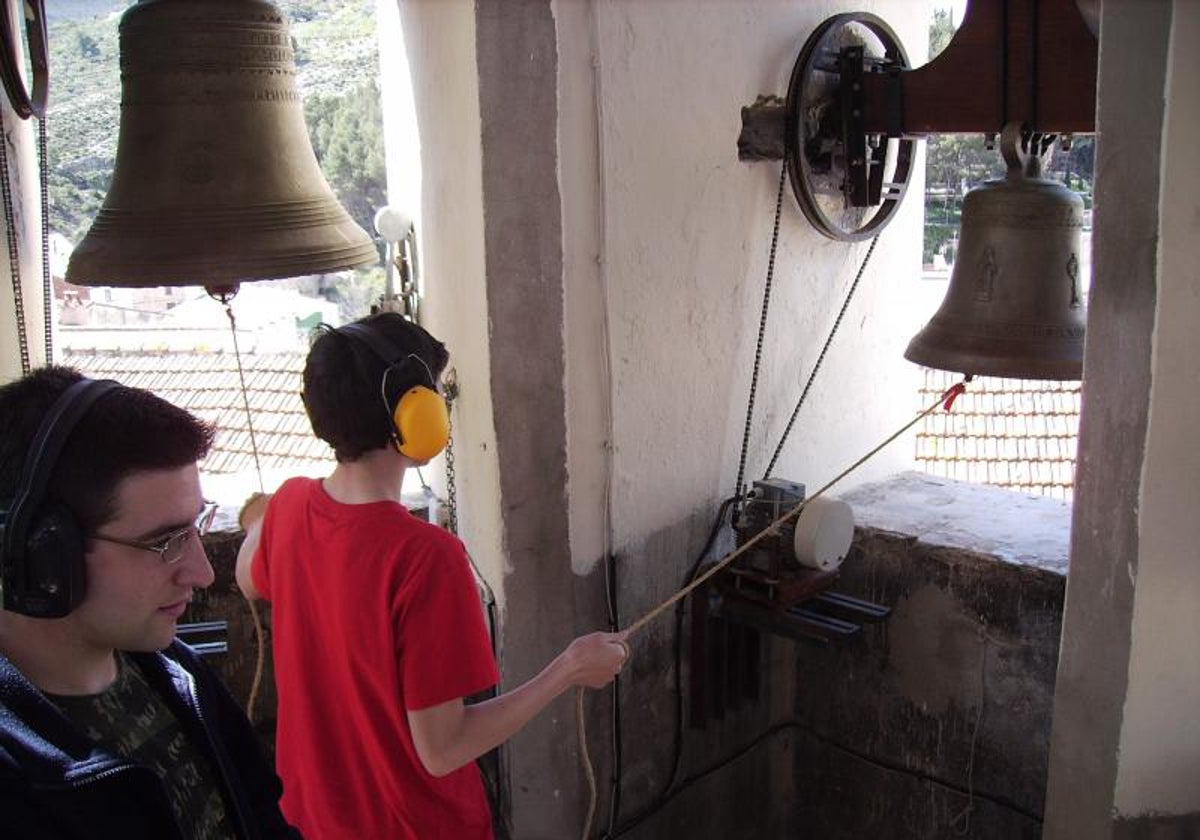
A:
{"points": [[97, 269]]}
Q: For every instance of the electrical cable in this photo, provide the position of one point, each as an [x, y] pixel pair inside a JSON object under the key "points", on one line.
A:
{"points": [[606, 365], [667, 792], [614, 624], [813, 732], [677, 751], [678, 748]]}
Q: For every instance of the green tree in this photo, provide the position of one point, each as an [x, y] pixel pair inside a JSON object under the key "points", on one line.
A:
{"points": [[957, 163], [347, 136], [940, 32]]}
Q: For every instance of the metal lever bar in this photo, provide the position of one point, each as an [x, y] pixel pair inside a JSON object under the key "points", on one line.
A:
{"points": [[200, 629]]}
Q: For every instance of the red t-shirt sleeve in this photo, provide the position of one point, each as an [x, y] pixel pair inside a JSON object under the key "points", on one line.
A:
{"points": [[444, 650], [260, 574]]}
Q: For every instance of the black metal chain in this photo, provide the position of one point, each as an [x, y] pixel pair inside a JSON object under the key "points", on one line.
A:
{"points": [[762, 329], [14, 256], [47, 287], [821, 358], [451, 490], [451, 393], [14, 259]]}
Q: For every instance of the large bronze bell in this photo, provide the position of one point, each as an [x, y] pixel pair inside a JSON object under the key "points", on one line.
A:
{"points": [[215, 180], [1014, 307]]}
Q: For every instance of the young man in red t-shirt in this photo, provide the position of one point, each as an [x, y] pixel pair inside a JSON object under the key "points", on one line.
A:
{"points": [[378, 629]]}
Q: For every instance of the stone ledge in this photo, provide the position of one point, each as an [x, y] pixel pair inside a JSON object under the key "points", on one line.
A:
{"points": [[1013, 527]]}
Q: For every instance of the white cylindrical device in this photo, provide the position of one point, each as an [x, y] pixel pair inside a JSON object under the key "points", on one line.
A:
{"points": [[824, 532]]}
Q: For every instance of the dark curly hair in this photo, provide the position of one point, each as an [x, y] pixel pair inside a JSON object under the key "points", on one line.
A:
{"points": [[127, 430], [345, 393]]}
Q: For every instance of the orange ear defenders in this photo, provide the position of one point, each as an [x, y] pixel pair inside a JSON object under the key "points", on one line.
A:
{"points": [[420, 417]]}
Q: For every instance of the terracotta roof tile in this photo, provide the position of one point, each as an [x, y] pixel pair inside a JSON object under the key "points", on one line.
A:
{"points": [[1019, 434], [208, 385]]}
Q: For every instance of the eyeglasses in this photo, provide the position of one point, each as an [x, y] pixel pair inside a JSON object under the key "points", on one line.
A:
{"points": [[171, 547]]}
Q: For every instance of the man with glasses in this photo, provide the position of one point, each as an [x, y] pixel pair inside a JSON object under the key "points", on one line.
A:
{"points": [[109, 727], [170, 547]]}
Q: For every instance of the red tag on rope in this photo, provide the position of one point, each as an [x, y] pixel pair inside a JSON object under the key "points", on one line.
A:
{"points": [[952, 394]]}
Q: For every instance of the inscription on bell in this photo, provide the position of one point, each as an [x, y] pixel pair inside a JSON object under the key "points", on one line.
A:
{"points": [[1073, 273], [985, 278]]}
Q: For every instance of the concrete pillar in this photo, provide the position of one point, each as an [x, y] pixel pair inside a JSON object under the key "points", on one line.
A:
{"points": [[1125, 747], [485, 87]]}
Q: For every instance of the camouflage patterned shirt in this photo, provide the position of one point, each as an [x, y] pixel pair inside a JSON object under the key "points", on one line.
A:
{"points": [[131, 720]]}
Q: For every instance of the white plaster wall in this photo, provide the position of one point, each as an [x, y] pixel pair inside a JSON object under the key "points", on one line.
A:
{"points": [[683, 235], [440, 44], [1159, 761], [403, 144]]}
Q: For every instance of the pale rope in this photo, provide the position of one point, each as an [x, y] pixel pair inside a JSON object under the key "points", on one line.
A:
{"points": [[772, 529], [260, 655], [259, 646]]}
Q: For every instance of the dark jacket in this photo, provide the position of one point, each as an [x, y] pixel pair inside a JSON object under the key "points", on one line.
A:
{"points": [[56, 785]]}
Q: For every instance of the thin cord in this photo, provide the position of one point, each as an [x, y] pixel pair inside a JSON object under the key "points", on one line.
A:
{"points": [[821, 357], [964, 816], [762, 329], [237, 355], [946, 399], [259, 635]]}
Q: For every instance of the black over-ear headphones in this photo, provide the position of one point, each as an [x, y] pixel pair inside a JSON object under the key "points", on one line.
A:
{"points": [[41, 544], [420, 417]]}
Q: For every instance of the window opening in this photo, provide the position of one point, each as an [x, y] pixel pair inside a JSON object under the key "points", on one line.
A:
{"points": [[1018, 434]]}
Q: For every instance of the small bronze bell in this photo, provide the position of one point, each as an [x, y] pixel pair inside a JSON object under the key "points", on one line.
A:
{"points": [[215, 181], [1014, 307]]}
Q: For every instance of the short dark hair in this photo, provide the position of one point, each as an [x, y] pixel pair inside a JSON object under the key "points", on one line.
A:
{"points": [[127, 430], [342, 379]]}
